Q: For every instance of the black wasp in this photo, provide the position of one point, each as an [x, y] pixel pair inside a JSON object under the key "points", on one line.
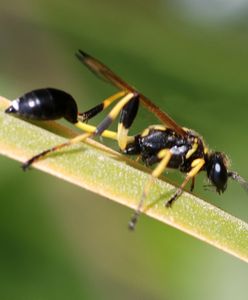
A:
{"points": [[167, 145]]}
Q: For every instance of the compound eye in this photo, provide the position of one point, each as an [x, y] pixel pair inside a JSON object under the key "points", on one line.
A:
{"points": [[218, 176]]}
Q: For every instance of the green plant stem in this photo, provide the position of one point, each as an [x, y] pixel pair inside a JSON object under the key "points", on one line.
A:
{"points": [[104, 171]]}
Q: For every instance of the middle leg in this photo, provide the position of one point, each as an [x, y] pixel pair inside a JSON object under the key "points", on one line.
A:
{"points": [[165, 156], [196, 165]]}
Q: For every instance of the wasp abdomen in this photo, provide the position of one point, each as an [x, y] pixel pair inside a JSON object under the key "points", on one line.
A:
{"points": [[45, 104]]}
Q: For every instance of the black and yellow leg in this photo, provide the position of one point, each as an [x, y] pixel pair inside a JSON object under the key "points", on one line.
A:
{"points": [[165, 156], [196, 166], [42, 154], [90, 131], [113, 135], [128, 114], [113, 114], [85, 116]]}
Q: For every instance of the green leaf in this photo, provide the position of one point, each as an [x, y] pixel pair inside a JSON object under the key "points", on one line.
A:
{"points": [[104, 171]]}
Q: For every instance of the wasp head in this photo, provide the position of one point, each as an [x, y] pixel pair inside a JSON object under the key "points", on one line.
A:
{"points": [[217, 170]]}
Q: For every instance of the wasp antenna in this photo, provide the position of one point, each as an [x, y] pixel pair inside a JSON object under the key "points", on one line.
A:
{"points": [[235, 176]]}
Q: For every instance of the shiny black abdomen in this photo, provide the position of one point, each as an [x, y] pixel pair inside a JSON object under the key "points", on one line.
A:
{"points": [[46, 104]]}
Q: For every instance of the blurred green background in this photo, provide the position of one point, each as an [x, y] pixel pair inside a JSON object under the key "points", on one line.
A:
{"points": [[60, 242]]}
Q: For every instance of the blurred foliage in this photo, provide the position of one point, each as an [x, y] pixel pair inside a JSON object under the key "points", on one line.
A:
{"points": [[59, 242]]}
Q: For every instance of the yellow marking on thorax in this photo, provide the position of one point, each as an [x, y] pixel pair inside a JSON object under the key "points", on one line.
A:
{"points": [[156, 127], [193, 149], [145, 132]]}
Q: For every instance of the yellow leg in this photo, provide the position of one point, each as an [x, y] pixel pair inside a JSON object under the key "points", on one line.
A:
{"points": [[106, 133], [113, 98], [91, 129], [118, 107], [85, 116], [112, 116], [196, 165], [122, 133], [165, 155], [127, 116]]}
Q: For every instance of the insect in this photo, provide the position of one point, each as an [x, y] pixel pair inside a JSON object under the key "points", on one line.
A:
{"points": [[166, 146]]}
